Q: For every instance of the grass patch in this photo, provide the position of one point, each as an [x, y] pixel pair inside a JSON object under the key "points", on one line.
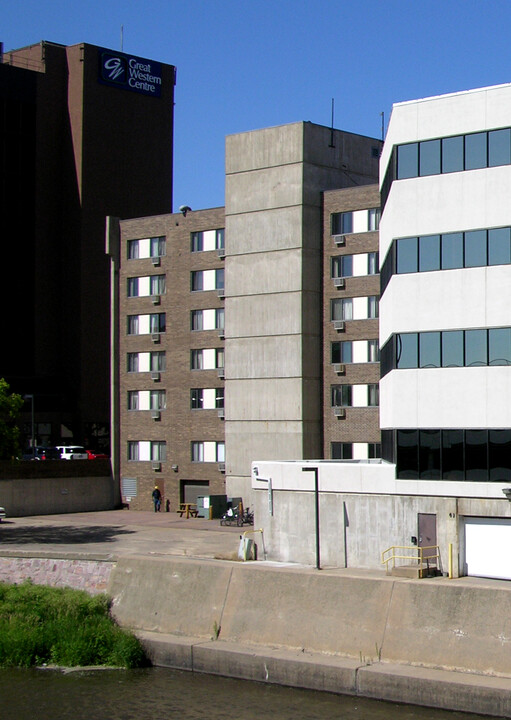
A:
{"points": [[60, 626]]}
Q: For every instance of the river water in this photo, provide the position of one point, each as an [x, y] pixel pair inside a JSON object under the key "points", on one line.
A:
{"points": [[161, 694]]}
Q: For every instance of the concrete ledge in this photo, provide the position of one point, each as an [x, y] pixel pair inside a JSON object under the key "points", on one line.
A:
{"points": [[281, 667], [463, 692]]}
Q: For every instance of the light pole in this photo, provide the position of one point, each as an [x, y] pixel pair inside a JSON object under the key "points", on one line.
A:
{"points": [[316, 510], [31, 398]]}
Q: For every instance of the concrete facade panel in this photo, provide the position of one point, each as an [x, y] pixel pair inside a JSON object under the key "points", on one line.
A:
{"points": [[259, 232], [267, 399], [259, 149], [264, 315], [263, 189], [260, 357], [260, 273]]}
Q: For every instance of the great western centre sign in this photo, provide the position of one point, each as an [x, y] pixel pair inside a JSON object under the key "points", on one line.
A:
{"points": [[129, 72]]}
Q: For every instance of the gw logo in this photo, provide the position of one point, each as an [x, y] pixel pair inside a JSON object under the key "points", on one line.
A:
{"points": [[114, 69]]}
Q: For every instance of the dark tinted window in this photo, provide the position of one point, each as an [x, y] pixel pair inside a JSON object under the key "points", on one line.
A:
{"points": [[475, 151], [499, 147], [452, 251], [499, 341], [429, 346], [407, 161], [476, 352], [407, 350], [476, 456], [452, 154], [499, 450], [407, 454], [429, 157], [452, 348], [429, 253], [406, 251], [429, 454], [452, 455], [475, 248], [499, 246], [341, 451]]}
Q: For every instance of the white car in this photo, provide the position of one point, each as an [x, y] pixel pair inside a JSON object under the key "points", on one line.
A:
{"points": [[72, 452]]}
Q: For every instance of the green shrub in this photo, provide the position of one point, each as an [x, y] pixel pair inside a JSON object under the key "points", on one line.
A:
{"points": [[63, 627]]}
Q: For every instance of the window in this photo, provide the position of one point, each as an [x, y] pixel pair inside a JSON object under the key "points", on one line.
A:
{"points": [[429, 350], [196, 398], [133, 249], [429, 158], [132, 362], [475, 248], [429, 253], [341, 352], [372, 306], [219, 279], [407, 350], [133, 287], [133, 453], [207, 240], [197, 320], [158, 361], [452, 154], [499, 147], [406, 255], [157, 322], [133, 400], [373, 450], [159, 451], [133, 324], [373, 219], [407, 161], [452, 348], [197, 281], [158, 400], [341, 451], [197, 452], [157, 285], [342, 266], [196, 242], [373, 395], [342, 309], [208, 451], [207, 359], [342, 223], [158, 246], [499, 246], [373, 263], [373, 351], [219, 318], [341, 395], [219, 397], [475, 151]]}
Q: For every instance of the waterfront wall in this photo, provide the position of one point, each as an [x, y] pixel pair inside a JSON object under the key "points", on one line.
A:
{"points": [[53, 487], [89, 575]]}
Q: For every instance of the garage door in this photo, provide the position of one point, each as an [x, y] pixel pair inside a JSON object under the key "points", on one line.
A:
{"points": [[487, 544]]}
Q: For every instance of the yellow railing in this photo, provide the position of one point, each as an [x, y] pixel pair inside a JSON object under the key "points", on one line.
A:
{"points": [[411, 553]]}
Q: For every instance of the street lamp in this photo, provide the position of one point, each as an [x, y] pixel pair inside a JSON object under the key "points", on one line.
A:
{"points": [[31, 398], [316, 509]]}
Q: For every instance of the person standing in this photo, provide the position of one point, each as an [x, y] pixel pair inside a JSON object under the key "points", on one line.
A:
{"points": [[156, 499]]}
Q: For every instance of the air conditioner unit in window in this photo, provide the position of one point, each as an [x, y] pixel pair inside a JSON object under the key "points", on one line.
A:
{"points": [[340, 368], [155, 299], [221, 413], [156, 466], [221, 372], [221, 293], [221, 252], [155, 376], [221, 467], [339, 325], [221, 334], [339, 412], [155, 414], [339, 240], [156, 261], [339, 282], [155, 337]]}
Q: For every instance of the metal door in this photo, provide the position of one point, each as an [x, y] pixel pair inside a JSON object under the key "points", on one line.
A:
{"points": [[427, 533]]}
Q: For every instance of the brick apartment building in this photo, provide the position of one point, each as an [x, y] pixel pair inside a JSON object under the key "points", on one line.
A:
{"points": [[265, 299]]}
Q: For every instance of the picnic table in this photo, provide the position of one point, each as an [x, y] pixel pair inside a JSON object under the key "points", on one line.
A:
{"points": [[188, 510]]}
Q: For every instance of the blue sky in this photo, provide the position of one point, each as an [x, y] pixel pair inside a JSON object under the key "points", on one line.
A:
{"points": [[247, 65]]}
